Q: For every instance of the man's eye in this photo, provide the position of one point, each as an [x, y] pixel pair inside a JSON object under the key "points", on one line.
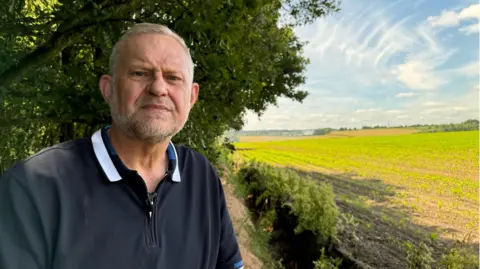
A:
{"points": [[139, 73], [171, 77]]}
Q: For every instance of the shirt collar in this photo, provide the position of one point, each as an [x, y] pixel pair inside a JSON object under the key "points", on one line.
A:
{"points": [[114, 168]]}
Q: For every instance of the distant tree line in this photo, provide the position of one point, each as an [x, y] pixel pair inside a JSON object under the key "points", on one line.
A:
{"points": [[468, 125], [376, 127], [322, 131], [270, 133]]}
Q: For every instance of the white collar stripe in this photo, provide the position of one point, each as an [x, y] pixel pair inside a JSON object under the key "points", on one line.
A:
{"points": [[176, 172], [104, 158], [101, 153]]}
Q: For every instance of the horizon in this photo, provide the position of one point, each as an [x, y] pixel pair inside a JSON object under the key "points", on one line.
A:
{"points": [[385, 63], [357, 128]]}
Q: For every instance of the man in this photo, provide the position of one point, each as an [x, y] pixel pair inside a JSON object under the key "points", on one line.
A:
{"points": [[126, 197]]}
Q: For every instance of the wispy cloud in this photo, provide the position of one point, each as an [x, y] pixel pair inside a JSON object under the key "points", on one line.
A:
{"points": [[405, 94], [470, 29], [432, 104], [367, 110], [360, 44], [395, 111], [420, 70], [472, 69], [381, 61], [370, 51]]}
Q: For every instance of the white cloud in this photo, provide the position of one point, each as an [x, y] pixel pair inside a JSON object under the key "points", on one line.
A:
{"points": [[417, 75], [367, 110], [471, 12], [308, 115], [459, 108], [358, 48], [432, 104], [367, 64], [450, 18], [472, 69], [420, 71], [447, 18], [405, 94], [394, 111]]}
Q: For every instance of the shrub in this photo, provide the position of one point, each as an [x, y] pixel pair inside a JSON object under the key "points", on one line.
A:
{"points": [[311, 202], [298, 213], [325, 262], [419, 257], [459, 259]]}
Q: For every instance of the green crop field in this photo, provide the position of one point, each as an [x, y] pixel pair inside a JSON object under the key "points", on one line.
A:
{"points": [[426, 180]]}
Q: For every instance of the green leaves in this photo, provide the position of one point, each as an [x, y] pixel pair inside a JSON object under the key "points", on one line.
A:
{"points": [[244, 60], [306, 11], [311, 202]]}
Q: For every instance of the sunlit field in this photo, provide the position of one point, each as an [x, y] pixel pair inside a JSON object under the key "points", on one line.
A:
{"points": [[431, 179]]}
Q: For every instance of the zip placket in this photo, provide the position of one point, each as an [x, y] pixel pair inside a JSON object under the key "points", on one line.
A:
{"points": [[151, 203], [152, 198], [152, 220]]}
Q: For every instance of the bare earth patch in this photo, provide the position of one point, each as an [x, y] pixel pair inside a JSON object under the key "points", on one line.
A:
{"points": [[240, 218], [454, 217], [385, 225]]}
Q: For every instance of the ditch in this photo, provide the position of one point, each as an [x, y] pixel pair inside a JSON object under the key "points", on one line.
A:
{"points": [[298, 250], [295, 250]]}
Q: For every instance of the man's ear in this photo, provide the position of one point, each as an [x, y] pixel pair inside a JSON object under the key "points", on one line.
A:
{"points": [[194, 94], [105, 85]]}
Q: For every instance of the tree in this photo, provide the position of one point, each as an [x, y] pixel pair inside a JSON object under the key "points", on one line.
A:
{"points": [[323, 131], [52, 53]]}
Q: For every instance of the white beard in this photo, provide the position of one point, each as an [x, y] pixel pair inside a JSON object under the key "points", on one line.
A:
{"points": [[144, 130]]}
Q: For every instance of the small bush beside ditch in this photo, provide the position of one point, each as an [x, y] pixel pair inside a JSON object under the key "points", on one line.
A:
{"points": [[419, 257], [325, 262], [459, 258]]}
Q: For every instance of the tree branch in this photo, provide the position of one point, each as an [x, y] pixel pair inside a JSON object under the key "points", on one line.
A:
{"points": [[17, 29], [67, 33]]}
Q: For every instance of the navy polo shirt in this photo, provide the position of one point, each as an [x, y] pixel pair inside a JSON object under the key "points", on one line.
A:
{"points": [[76, 205]]}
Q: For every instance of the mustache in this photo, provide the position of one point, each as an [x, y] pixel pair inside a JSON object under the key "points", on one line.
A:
{"points": [[160, 102]]}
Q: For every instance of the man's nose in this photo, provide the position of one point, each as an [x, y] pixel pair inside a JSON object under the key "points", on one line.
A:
{"points": [[158, 86]]}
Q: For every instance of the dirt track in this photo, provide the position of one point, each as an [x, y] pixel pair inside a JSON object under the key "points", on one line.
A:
{"points": [[240, 217]]}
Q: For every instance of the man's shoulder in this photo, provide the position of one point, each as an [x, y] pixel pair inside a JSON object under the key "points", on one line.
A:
{"points": [[57, 155], [60, 150]]}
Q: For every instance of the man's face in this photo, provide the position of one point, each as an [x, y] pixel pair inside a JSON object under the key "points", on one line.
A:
{"points": [[151, 93]]}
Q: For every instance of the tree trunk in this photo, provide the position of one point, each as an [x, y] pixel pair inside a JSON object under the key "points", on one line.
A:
{"points": [[66, 132]]}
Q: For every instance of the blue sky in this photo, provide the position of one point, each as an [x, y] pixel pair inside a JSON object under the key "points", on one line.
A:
{"points": [[386, 61]]}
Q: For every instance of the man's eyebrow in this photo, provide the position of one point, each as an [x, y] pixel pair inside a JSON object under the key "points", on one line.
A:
{"points": [[140, 65], [172, 69]]}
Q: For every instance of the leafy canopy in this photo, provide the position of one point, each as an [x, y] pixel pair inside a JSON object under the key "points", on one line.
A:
{"points": [[52, 53]]}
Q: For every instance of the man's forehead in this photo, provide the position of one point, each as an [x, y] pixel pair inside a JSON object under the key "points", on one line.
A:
{"points": [[151, 48]]}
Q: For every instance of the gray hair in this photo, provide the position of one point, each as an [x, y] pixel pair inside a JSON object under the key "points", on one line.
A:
{"points": [[148, 28]]}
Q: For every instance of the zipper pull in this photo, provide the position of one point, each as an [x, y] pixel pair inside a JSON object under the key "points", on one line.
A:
{"points": [[151, 203]]}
